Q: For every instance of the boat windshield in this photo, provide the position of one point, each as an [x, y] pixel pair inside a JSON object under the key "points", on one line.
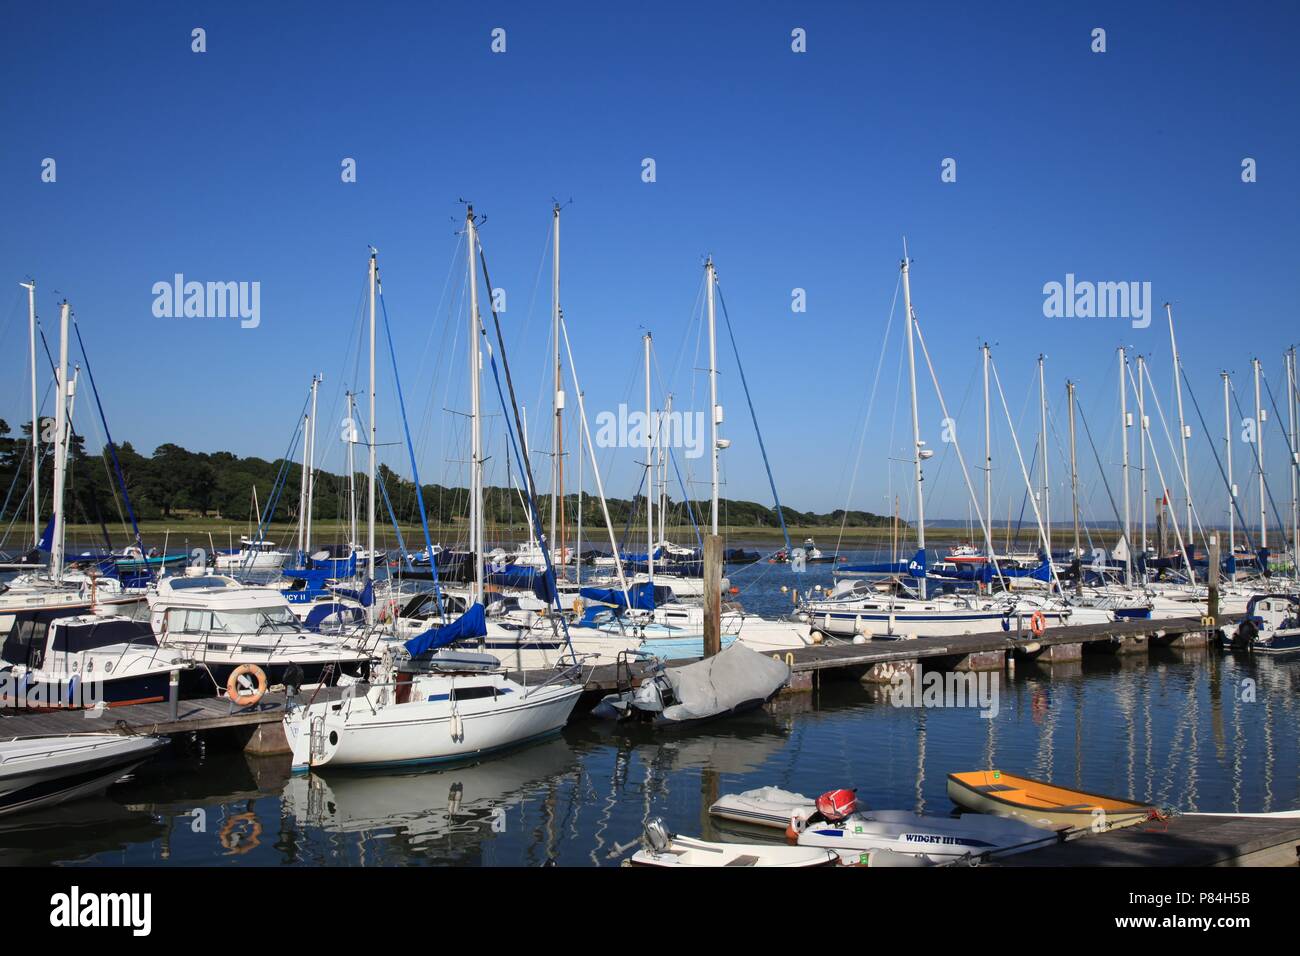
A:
{"points": [[274, 619]]}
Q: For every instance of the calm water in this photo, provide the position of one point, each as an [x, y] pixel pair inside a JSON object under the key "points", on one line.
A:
{"points": [[1187, 730]]}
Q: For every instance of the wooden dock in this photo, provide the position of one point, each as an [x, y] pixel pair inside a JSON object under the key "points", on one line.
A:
{"points": [[1183, 840], [971, 651]]}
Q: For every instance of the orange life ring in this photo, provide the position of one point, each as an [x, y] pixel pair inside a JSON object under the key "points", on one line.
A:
{"points": [[234, 840], [252, 697], [1038, 623]]}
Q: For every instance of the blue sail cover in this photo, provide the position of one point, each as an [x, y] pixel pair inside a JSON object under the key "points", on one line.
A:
{"points": [[471, 624], [1041, 573], [915, 567], [366, 595], [524, 577], [47, 537], [642, 595]]}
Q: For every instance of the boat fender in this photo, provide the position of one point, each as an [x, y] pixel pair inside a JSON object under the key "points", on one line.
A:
{"points": [[248, 698], [1038, 624], [457, 727]]}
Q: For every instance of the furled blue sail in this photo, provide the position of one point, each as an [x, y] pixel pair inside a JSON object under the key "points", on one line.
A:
{"points": [[522, 576], [915, 567], [471, 624], [47, 537], [642, 596], [366, 595]]}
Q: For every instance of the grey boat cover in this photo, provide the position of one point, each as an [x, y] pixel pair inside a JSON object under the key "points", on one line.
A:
{"points": [[717, 684]]}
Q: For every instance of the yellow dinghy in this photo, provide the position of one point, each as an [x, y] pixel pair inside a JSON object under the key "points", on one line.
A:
{"points": [[1043, 804]]}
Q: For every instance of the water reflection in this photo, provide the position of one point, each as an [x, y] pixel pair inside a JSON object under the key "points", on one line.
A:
{"points": [[1187, 729]]}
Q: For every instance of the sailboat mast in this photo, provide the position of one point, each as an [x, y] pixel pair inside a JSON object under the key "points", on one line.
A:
{"points": [[1232, 488], [715, 411], [1295, 464], [1259, 459], [352, 472], [370, 515], [1124, 424], [916, 420], [476, 456], [1184, 431], [557, 406], [1042, 444], [577, 556], [1074, 475], [302, 485], [36, 428], [988, 448], [649, 469], [62, 393], [1142, 445], [311, 463]]}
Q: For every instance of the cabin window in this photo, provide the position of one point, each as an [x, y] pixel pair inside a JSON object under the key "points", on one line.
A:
{"points": [[472, 693]]}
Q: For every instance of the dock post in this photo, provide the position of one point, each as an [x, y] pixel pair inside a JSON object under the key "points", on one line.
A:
{"points": [[1213, 577], [174, 694], [712, 595]]}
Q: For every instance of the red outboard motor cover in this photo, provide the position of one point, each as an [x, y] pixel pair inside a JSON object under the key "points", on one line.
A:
{"points": [[836, 805]]}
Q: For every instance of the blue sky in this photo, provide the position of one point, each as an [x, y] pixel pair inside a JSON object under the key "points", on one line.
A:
{"points": [[793, 170]]}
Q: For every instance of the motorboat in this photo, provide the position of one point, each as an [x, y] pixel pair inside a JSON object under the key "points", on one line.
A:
{"points": [[222, 624], [254, 554], [663, 849], [1271, 625], [41, 771], [85, 661], [734, 680], [934, 839]]}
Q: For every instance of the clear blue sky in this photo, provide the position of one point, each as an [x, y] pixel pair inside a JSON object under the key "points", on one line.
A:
{"points": [[793, 170]]}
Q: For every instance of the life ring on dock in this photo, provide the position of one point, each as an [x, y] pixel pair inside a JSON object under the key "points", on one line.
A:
{"points": [[251, 697], [1038, 623]]}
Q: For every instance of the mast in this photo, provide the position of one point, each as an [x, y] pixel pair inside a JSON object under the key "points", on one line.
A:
{"points": [[649, 470], [1184, 431], [1143, 424], [1232, 488], [1259, 459], [36, 428], [577, 557], [988, 448], [476, 454], [1295, 464], [302, 486], [1074, 476], [62, 393], [715, 410], [557, 406], [311, 462], [916, 421], [1042, 443], [370, 515], [1124, 424], [352, 472]]}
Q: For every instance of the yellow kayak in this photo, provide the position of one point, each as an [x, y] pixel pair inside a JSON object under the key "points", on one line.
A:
{"points": [[1043, 804]]}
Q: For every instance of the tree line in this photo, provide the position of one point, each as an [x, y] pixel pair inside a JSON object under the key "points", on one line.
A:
{"points": [[173, 483]]}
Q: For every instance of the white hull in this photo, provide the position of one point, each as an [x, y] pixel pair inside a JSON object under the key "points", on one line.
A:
{"points": [[371, 730]]}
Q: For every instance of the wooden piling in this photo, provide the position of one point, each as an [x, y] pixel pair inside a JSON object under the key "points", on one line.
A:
{"points": [[712, 595]]}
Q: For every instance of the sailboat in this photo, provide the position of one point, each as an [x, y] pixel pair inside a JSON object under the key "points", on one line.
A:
{"points": [[901, 609], [427, 702]]}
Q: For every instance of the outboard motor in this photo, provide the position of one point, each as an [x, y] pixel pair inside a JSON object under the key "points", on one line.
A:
{"points": [[656, 836]]}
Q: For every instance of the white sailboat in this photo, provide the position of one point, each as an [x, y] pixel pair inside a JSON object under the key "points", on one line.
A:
{"points": [[448, 705]]}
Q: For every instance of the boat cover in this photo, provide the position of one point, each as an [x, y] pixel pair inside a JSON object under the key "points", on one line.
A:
{"points": [[721, 683], [473, 623]]}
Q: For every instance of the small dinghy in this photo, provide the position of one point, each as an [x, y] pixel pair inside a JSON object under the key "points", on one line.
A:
{"points": [[732, 681], [1043, 804], [857, 833], [42, 771], [661, 848]]}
